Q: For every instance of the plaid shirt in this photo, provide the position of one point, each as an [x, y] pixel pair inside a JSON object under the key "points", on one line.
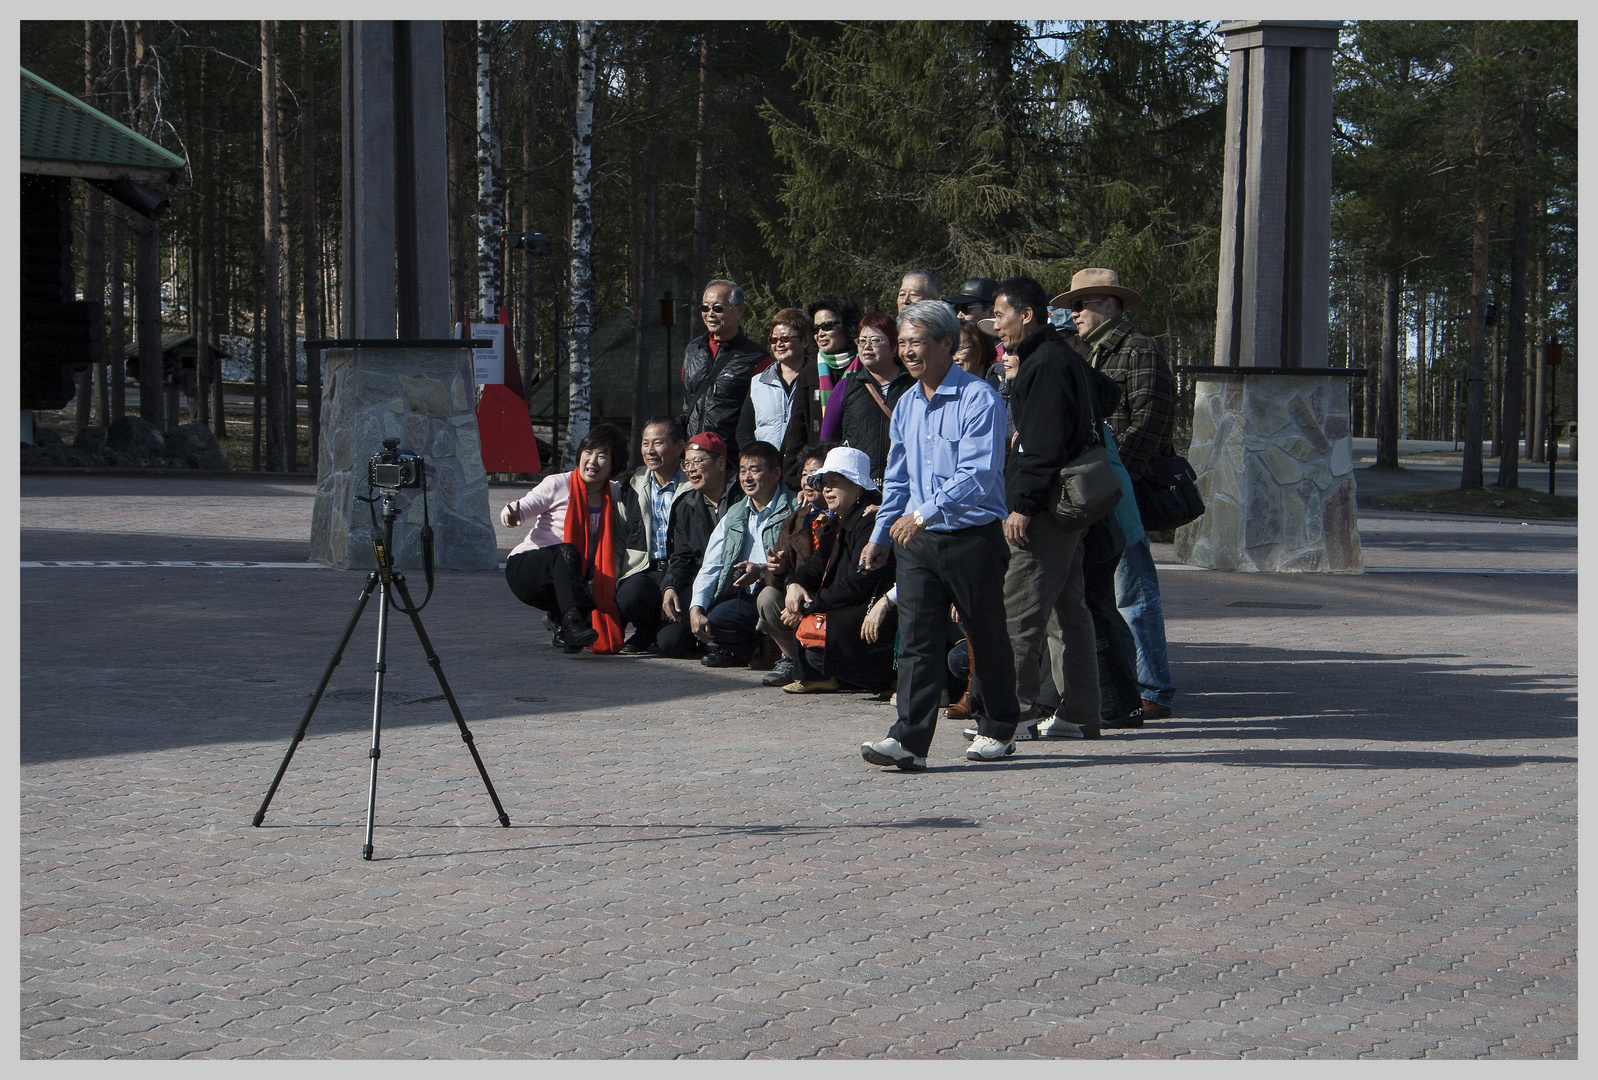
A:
{"points": [[1146, 415]]}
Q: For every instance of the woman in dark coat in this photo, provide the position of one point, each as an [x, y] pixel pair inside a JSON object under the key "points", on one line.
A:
{"points": [[832, 583], [874, 389]]}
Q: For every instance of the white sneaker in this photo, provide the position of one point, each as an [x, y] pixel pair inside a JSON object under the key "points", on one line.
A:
{"points": [[985, 749], [1056, 728], [889, 754]]}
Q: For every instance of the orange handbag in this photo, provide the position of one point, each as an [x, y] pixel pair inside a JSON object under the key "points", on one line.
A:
{"points": [[812, 631]]}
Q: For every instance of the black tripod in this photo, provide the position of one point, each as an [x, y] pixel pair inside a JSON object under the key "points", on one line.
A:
{"points": [[384, 575]]}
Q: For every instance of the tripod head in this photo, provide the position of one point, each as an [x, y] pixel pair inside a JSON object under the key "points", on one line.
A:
{"points": [[390, 471]]}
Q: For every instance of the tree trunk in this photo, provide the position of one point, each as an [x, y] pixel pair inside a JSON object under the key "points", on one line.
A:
{"points": [[220, 310], [1419, 363], [117, 339], [702, 177], [578, 416], [529, 350], [455, 153], [1387, 405], [93, 377], [310, 245], [1538, 351], [147, 300], [146, 244], [94, 290], [646, 275], [1515, 353], [271, 267], [490, 280]]}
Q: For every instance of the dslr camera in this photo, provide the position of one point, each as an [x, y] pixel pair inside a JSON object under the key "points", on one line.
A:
{"points": [[392, 468]]}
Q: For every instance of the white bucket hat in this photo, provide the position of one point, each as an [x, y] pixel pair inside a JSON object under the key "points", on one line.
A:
{"points": [[849, 463]]}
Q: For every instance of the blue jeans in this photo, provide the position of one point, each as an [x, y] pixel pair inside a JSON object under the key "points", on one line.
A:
{"points": [[1137, 595]]}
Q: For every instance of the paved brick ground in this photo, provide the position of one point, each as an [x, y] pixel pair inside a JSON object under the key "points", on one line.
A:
{"points": [[1357, 839]]}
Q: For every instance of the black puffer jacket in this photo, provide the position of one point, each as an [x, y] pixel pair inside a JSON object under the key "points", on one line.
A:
{"points": [[715, 387]]}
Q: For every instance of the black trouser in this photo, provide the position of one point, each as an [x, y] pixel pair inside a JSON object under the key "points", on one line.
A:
{"points": [[966, 568], [638, 600], [1118, 685], [548, 579]]}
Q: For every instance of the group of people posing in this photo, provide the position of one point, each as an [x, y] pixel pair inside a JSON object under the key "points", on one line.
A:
{"points": [[876, 515]]}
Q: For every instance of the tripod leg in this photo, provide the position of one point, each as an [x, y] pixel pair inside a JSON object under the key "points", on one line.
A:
{"points": [[316, 698], [377, 719], [449, 696]]}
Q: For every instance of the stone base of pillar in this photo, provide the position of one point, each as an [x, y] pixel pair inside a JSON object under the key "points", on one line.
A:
{"points": [[1274, 459], [423, 398]]}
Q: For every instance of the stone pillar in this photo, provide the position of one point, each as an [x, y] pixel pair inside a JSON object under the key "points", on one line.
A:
{"points": [[396, 282], [1271, 439], [420, 397]]}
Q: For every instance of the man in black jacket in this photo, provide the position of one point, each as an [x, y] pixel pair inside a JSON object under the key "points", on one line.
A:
{"points": [[694, 515], [1049, 396], [717, 366]]}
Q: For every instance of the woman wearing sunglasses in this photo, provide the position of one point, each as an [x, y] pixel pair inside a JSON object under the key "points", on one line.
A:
{"points": [[771, 393], [818, 399]]}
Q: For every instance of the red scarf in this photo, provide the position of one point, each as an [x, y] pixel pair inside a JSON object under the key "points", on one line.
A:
{"points": [[606, 617]]}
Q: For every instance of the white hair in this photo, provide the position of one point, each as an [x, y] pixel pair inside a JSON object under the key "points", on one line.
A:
{"points": [[737, 294], [935, 316]]}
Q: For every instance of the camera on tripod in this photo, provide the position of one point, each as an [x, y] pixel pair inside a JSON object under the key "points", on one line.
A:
{"points": [[392, 468]]}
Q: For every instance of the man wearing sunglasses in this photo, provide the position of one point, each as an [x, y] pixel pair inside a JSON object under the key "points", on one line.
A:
{"points": [[718, 365], [1142, 423]]}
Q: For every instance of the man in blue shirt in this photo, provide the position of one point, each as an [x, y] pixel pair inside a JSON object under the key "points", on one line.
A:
{"points": [[943, 508]]}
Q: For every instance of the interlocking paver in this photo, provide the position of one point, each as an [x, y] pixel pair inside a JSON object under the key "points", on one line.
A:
{"points": [[1356, 838]]}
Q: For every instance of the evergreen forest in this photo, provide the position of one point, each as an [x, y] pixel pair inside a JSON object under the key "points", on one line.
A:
{"points": [[803, 157]]}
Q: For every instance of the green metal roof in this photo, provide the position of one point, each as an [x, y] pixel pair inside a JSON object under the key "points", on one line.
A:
{"points": [[58, 127]]}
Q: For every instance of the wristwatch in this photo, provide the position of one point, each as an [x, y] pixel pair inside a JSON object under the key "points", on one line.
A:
{"points": [[920, 521]]}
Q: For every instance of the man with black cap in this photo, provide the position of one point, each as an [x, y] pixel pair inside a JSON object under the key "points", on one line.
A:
{"points": [[1143, 423], [974, 301]]}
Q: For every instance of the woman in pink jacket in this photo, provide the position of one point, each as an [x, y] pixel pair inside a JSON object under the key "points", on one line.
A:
{"points": [[569, 562]]}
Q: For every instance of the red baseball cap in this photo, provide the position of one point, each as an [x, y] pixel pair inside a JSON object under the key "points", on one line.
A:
{"points": [[709, 442]]}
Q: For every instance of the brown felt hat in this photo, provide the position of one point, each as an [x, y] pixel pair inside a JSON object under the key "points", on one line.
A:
{"points": [[1096, 281]]}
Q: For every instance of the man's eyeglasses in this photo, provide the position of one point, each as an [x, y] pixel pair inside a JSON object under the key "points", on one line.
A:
{"points": [[717, 308], [824, 327], [1086, 300]]}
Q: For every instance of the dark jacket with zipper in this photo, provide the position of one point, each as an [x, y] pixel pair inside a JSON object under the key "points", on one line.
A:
{"points": [[1052, 420], [716, 387], [692, 522], [845, 594], [865, 425], [804, 423]]}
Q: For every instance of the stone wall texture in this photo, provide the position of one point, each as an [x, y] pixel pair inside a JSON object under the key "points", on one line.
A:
{"points": [[424, 398], [1274, 459]]}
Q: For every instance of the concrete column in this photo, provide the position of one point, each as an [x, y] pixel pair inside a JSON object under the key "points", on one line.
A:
{"points": [[368, 181], [428, 295], [1272, 447], [396, 277]]}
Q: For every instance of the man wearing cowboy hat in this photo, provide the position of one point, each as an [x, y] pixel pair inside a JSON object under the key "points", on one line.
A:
{"points": [[1142, 423]]}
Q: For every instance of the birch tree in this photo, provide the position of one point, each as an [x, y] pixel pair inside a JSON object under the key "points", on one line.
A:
{"points": [[272, 360], [489, 199], [582, 241]]}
